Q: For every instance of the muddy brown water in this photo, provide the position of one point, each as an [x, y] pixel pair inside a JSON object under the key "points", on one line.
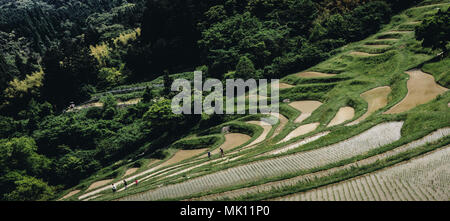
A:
{"points": [[344, 114], [301, 130], [376, 99], [422, 88], [181, 155], [306, 108], [266, 129]]}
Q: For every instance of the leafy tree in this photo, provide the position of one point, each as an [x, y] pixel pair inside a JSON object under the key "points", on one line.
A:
{"points": [[5, 74], [148, 95], [435, 31], [21, 154], [370, 16], [110, 77], [29, 188], [160, 116], [245, 69], [74, 166], [167, 83], [109, 107]]}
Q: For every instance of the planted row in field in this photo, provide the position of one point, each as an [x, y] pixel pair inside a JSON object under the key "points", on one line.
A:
{"points": [[375, 137]]}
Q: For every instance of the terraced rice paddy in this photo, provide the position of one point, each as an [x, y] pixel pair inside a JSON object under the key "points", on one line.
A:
{"points": [[301, 130], [313, 74], [283, 121], [386, 39], [432, 137], [99, 184], [376, 99], [385, 133], [399, 32], [363, 54], [376, 46], [284, 85], [306, 108], [344, 114], [423, 178], [297, 144], [266, 126], [183, 155], [70, 194], [232, 140], [130, 171], [422, 88]]}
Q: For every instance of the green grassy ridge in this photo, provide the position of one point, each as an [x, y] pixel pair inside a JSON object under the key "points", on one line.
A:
{"points": [[440, 71]]}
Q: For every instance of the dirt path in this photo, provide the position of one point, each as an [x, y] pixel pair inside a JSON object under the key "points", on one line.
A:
{"points": [[373, 138], [376, 99], [425, 178], [344, 114], [306, 108], [302, 130], [292, 181], [422, 88], [313, 74], [70, 194], [99, 104], [129, 102]]}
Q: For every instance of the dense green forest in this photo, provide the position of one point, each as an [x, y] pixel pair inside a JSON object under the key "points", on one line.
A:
{"points": [[54, 52]]}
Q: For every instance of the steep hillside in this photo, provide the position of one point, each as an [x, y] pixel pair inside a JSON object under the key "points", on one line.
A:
{"points": [[360, 114]]}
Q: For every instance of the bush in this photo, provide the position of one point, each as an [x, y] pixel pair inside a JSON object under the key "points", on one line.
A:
{"points": [[245, 69]]}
